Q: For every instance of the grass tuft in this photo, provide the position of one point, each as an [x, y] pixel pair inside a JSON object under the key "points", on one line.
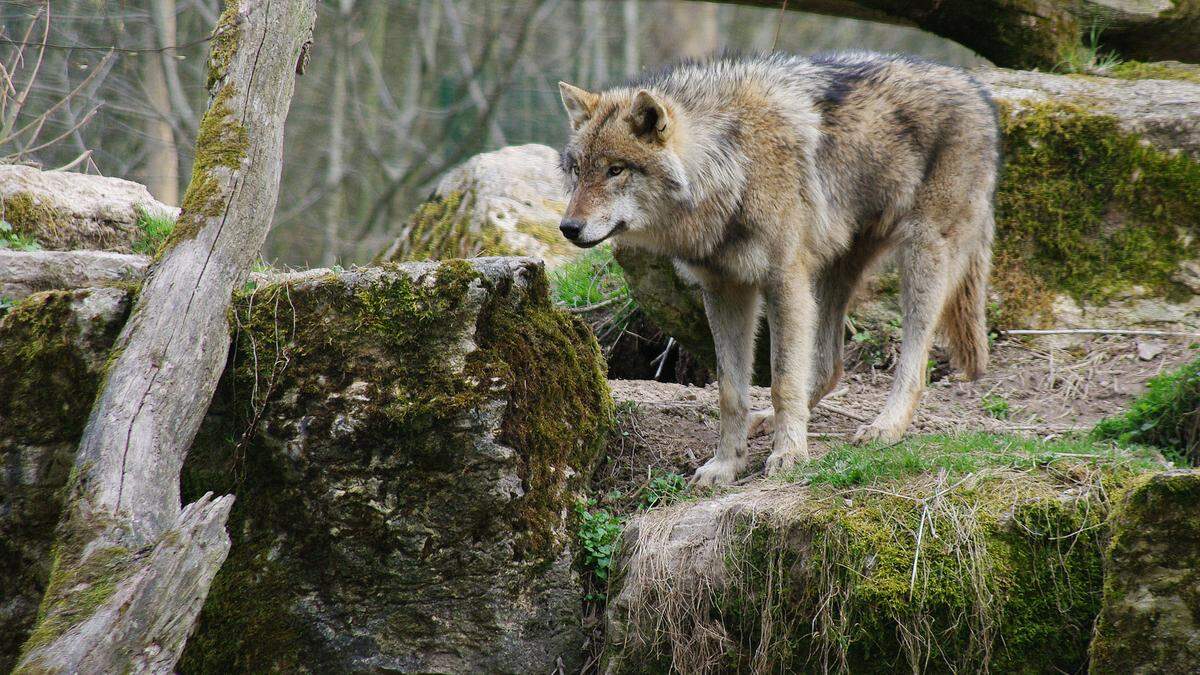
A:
{"points": [[155, 231], [15, 241], [1167, 416]]}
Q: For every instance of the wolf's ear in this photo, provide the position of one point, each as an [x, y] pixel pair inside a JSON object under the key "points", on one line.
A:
{"points": [[649, 119], [579, 104]]}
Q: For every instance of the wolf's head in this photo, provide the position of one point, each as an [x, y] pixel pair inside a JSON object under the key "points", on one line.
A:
{"points": [[622, 171]]}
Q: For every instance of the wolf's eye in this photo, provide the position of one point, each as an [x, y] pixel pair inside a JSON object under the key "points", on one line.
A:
{"points": [[615, 170], [575, 170]]}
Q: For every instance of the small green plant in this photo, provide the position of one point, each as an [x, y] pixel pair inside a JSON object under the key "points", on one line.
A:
{"points": [[1087, 57], [598, 533], [663, 490], [154, 233], [874, 348], [6, 303], [12, 240], [996, 406], [1165, 416], [590, 279]]}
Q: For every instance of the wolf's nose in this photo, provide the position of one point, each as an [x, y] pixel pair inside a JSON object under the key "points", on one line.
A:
{"points": [[571, 229]]}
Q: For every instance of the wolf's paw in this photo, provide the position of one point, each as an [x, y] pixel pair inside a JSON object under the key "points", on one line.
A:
{"points": [[717, 472], [761, 422], [782, 462], [877, 432]]}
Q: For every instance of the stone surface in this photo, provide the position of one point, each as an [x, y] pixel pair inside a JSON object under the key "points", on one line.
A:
{"points": [[52, 352], [65, 211], [404, 442], [1150, 618], [506, 202], [23, 273]]}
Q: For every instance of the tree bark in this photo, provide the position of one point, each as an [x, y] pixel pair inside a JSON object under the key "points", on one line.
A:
{"points": [[1033, 33], [132, 568]]}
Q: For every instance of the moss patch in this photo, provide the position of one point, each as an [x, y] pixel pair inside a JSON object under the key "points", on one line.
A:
{"points": [[964, 554], [1151, 610], [1087, 209], [442, 228], [1160, 70], [347, 423], [221, 145], [30, 221]]}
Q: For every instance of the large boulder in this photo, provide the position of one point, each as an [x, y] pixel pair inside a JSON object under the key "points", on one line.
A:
{"points": [[1150, 621], [949, 554], [405, 443], [506, 202], [64, 211], [1098, 210]]}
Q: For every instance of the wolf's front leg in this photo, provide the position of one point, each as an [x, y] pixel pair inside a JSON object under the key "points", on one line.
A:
{"points": [[791, 314], [732, 315]]}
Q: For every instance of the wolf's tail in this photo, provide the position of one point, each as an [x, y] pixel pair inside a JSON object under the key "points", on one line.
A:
{"points": [[964, 320]]}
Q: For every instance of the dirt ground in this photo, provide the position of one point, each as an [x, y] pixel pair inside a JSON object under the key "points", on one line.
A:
{"points": [[1048, 390]]}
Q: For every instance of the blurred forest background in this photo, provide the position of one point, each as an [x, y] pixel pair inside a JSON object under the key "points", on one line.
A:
{"points": [[395, 93]]}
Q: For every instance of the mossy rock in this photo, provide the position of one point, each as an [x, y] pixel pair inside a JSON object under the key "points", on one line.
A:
{"points": [[60, 210], [404, 442], [997, 568], [1150, 617], [505, 202], [52, 355]]}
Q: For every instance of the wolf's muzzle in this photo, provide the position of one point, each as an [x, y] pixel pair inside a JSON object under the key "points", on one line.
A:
{"points": [[571, 228]]}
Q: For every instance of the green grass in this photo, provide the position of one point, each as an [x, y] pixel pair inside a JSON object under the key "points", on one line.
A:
{"points": [[12, 240], [155, 230], [590, 279], [1166, 416], [1087, 57], [848, 465], [996, 406]]}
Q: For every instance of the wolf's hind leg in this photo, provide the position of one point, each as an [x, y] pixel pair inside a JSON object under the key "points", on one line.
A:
{"points": [[925, 276], [732, 317], [834, 288]]}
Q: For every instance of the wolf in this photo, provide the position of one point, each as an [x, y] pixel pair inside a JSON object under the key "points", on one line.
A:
{"points": [[774, 182]]}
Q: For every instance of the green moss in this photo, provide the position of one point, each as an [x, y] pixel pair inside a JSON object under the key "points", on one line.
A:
{"points": [[442, 228], [1151, 603], [77, 588], [300, 347], [557, 420], [30, 221], [1138, 70], [221, 145], [1087, 209], [48, 386], [155, 230], [1006, 577], [1165, 416], [224, 43]]}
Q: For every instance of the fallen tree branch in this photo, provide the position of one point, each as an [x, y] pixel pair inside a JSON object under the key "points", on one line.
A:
{"points": [[1098, 331], [131, 568]]}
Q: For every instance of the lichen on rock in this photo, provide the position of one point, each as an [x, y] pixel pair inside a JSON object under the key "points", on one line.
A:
{"points": [[1150, 617], [404, 442]]}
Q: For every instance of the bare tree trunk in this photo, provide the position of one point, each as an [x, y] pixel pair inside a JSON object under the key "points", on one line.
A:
{"points": [[131, 568], [1023, 34], [162, 163], [632, 60], [335, 210]]}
